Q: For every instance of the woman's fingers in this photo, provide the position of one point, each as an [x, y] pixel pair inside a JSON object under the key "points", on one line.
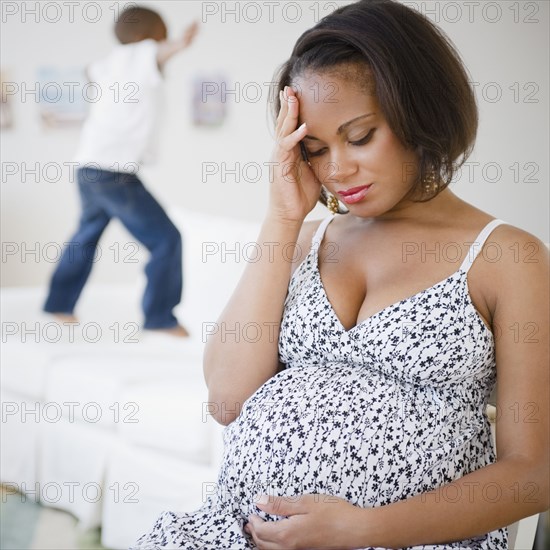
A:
{"points": [[288, 143], [291, 119], [288, 114], [282, 113], [295, 190], [288, 136]]}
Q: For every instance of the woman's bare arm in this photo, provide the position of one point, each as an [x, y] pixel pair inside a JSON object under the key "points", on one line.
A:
{"points": [[234, 370], [235, 366], [517, 485]]}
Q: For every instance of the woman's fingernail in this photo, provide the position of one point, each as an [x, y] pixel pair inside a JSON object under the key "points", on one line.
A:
{"points": [[262, 499]]}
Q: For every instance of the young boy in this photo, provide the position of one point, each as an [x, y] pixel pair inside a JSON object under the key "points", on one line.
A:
{"points": [[118, 136]]}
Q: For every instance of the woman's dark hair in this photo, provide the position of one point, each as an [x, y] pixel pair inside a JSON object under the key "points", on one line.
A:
{"points": [[413, 69], [136, 23]]}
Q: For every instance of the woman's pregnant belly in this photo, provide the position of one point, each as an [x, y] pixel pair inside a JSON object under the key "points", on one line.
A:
{"points": [[339, 430]]}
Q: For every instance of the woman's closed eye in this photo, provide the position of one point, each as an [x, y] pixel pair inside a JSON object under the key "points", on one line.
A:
{"points": [[356, 143], [364, 139]]}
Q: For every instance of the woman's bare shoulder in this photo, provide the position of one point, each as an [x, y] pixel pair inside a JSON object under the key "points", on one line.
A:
{"points": [[512, 261], [507, 249], [512, 239]]}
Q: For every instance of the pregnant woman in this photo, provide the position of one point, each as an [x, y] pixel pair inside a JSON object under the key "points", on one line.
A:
{"points": [[359, 409]]}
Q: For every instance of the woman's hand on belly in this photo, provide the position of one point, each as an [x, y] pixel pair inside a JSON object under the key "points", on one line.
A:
{"points": [[314, 521]]}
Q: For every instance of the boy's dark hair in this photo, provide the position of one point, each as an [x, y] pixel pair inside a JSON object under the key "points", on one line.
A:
{"points": [[136, 23], [410, 65]]}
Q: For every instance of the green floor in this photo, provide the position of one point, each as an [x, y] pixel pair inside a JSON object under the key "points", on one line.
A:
{"points": [[26, 525], [17, 522]]}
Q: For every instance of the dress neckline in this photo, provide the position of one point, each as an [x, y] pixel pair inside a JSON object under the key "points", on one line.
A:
{"points": [[462, 271], [379, 312]]}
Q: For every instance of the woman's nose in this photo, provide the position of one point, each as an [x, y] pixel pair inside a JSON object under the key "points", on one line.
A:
{"points": [[338, 168]]}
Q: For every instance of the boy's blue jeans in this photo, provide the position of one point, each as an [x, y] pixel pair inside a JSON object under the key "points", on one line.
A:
{"points": [[105, 195]]}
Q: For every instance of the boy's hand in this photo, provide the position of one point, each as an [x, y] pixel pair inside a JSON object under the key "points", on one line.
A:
{"points": [[190, 33], [169, 48]]}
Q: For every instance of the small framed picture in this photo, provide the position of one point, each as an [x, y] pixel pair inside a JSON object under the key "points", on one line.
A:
{"points": [[7, 87], [209, 102], [64, 96]]}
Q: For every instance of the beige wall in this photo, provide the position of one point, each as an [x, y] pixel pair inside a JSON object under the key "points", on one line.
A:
{"points": [[504, 48]]}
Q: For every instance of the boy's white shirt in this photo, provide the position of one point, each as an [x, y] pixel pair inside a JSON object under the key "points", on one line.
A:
{"points": [[120, 132]]}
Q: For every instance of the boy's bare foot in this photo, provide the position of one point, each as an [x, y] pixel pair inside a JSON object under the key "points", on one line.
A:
{"points": [[65, 317], [178, 331]]}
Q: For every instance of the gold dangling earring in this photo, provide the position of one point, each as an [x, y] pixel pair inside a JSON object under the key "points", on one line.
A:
{"points": [[430, 183], [332, 203]]}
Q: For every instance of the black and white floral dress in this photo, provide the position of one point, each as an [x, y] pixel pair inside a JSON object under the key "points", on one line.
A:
{"points": [[386, 410]]}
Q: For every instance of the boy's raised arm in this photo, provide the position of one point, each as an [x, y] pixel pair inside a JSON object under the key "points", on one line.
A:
{"points": [[168, 48]]}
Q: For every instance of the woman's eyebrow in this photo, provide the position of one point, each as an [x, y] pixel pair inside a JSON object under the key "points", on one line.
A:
{"points": [[344, 126], [349, 122]]}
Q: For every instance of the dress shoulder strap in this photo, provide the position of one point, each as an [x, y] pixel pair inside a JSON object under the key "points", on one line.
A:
{"points": [[478, 243], [318, 237]]}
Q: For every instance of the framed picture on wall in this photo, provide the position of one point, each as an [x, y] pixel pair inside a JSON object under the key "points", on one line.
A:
{"points": [[209, 107], [7, 88], [64, 96]]}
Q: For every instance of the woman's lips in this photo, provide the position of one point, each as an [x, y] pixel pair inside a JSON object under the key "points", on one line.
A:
{"points": [[355, 194]]}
